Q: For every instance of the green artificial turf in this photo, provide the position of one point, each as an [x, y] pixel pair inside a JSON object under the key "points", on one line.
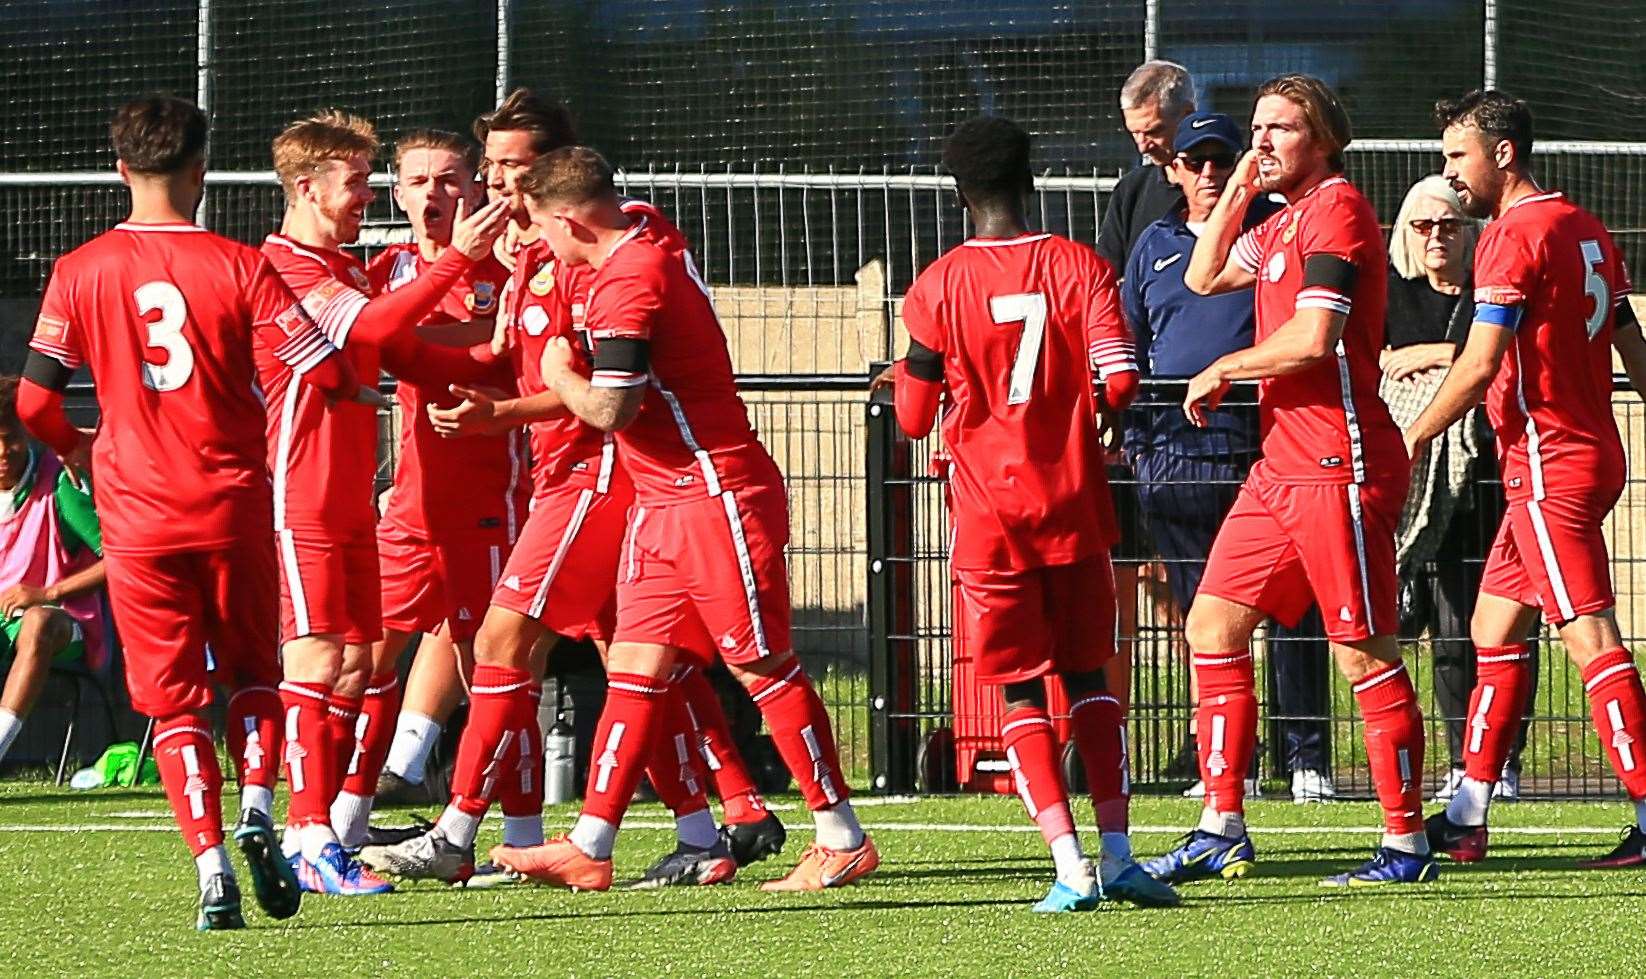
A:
{"points": [[98, 884]]}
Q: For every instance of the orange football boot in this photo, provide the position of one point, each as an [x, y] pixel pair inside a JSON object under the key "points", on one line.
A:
{"points": [[821, 867], [557, 862]]}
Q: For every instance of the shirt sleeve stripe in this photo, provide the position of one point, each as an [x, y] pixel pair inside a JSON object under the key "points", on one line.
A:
{"points": [[1246, 253], [616, 379], [1317, 297], [304, 350], [338, 316], [67, 357]]}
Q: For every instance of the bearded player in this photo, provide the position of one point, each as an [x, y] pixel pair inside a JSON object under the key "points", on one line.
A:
{"points": [[1551, 304], [455, 507], [560, 580], [1024, 334], [167, 316], [1315, 519], [324, 462], [702, 573]]}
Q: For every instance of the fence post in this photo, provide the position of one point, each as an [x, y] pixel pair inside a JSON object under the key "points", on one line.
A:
{"points": [[502, 50], [893, 732], [1489, 47], [1151, 29], [203, 69]]}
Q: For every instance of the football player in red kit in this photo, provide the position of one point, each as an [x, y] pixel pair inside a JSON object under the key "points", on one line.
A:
{"points": [[702, 571], [1023, 333], [1315, 519], [455, 507], [323, 464], [561, 579], [168, 316], [1551, 304]]}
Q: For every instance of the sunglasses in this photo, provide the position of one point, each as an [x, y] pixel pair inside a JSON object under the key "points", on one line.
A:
{"points": [[1196, 162], [1426, 226]]}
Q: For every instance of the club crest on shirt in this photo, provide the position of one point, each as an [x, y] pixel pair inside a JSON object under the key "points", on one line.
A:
{"points": [[360, 281], [404, 270], [290, 320], [1276, 267], [482, 298], [1291, 228], [543, 282]]}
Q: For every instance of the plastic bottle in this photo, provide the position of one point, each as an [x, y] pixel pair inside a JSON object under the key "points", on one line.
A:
{"points": [[560, 763]]}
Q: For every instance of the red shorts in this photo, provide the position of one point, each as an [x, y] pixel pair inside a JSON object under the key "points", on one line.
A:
{"points": [[1552, 553], [1285, 546], [707, 576], [563, 569], [170, 606], [427, 585], [1018, 625], [329, 587]]}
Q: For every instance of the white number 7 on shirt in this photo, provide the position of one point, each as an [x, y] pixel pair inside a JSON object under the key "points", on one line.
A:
{"points": [[1028, 308]]}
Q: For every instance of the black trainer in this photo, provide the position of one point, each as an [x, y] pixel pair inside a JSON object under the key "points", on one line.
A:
{"points": [[692, 866], [272, 879], [219, 905], [391, 835], [1464, 844], [1629, 852], [750, 842]]}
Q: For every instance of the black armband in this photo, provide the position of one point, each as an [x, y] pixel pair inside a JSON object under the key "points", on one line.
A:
{"points": [[923, 363], [47, 371], [1328, 283], [621, 362]]}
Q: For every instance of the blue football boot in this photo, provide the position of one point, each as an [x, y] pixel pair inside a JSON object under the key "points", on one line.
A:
{"points": [[1201, 855], [1388, 866], [1135, 886], [338, 873]]}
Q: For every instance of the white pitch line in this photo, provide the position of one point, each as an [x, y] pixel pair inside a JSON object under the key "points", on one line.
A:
{"points": [[913, 828]]}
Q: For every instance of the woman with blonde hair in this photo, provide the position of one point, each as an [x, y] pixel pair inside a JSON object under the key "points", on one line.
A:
{"points": [[1455, 502]]}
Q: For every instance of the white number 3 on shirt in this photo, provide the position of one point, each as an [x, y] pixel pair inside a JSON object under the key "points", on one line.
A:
{"points": [[1028, 308], [167, 334]]}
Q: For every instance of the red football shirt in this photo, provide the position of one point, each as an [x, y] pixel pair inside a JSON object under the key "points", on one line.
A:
{"points": [[538, 307], [692, 436], [1325, 424], [169, 318], [323, 457], [1551, 401], [445, 486], [1024, 325]]}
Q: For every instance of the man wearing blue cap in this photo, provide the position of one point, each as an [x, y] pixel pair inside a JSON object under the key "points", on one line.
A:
{"points": [[1187, 476]]}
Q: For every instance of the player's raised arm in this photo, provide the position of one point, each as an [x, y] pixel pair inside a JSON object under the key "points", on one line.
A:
{"points": [[376, 320], [1223, 259]]}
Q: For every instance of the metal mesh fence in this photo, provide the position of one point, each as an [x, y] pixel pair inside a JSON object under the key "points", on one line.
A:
{"points": [[945, 728]]}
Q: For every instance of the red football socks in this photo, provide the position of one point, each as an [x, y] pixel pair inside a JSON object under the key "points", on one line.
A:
{"points": [[672, 768], [374, 733], [521, 792], [1503, 684], [310, 758], [1031, 749], [1226, 727], [498, 698], [623, 744], [187, 759], [740, 800], [1099, 730], [1394, 746], [252, 729], [1618, 705], [805, 740], [342, 720]]}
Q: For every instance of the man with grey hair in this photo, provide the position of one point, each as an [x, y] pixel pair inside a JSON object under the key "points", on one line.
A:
{"points": [[1155, 98]]}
